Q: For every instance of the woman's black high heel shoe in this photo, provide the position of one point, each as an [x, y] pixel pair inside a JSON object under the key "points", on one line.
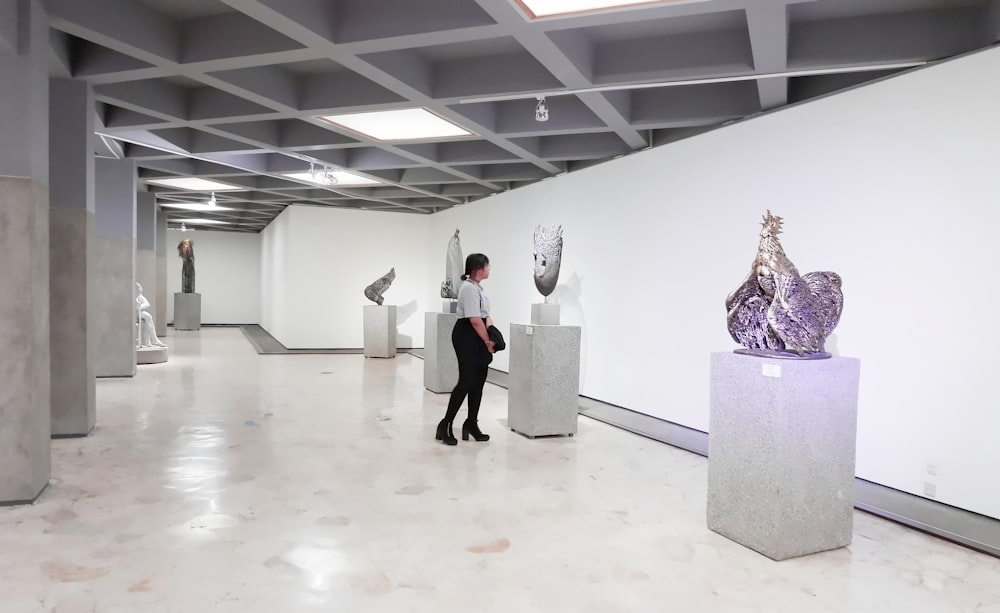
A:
{"points": [[473, 429], [445, 434]]}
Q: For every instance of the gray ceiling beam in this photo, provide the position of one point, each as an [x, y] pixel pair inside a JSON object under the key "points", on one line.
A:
{"points": [[230, 35], [767, 24], [565, 70], [889, 38], [9, 23], [127, 27], [60, 50], [156, 98]]}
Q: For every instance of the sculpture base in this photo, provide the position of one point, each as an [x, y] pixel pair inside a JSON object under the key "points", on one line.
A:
{"points": [[440, 362], [783, 355], [545, 314], [150, 355], [543, 396], [187, 311], [380, 331], [781, 453]]}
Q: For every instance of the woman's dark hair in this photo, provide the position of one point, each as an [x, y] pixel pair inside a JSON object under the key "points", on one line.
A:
{"points": [[474, 262]]}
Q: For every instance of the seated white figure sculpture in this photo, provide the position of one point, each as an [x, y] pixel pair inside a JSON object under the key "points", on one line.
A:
{"points": [[147, 333]]}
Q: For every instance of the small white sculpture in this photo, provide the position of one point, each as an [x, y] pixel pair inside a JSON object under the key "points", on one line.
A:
{"points": [[147, 333]]}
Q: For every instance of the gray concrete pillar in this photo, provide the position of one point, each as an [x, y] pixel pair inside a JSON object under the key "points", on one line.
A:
{"points": [[160, 317], [25, 463], [114, 205], [71, 257], [145, 247]]}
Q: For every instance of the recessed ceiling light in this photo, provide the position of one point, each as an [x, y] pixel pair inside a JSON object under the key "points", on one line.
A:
{"points": [[341, 178], [200, 221], [195, 206], [195, 184], [548, 8], [403, 124]]}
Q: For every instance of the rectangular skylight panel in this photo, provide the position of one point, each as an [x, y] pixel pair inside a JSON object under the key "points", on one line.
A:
{"points": [[194, 184], [340, 178], [548, 8], [402, 124]]}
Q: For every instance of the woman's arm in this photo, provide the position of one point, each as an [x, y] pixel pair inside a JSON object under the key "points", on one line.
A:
{"points": [[480, 328]]}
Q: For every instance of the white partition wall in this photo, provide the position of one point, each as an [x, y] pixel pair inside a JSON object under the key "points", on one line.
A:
{"points": [[892, 185], [227, 275], [316, 263]]}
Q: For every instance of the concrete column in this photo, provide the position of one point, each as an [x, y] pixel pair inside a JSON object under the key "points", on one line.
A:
{"points": [[71, 257], [25, 419], [160, 317], [114, 218], [145, 247]]}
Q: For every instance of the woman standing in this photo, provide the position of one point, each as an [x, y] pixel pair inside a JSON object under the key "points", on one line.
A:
{"points": [[473, 348]]}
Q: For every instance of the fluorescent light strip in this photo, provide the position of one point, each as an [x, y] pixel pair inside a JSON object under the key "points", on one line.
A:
{"points": [[200, 221], [343, 178], [195, 184], [195, 206], [705, 81], [401, 124]]}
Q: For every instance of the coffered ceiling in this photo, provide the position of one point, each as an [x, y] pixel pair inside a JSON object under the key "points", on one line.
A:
{"points": [[234, 90]]}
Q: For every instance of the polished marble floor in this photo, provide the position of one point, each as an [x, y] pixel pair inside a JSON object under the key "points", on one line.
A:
{"points": [[228, 481]]}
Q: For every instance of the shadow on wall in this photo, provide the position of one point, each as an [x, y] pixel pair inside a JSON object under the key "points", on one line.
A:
{"points": [[403, 313], [567, 294]]}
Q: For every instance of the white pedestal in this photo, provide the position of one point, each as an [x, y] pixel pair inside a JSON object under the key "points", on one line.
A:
{"points": [[151, 355], [440, 362], [782, 437], [544, 382], [380, 331], [449, 306], [545, 314], [187, 311]]}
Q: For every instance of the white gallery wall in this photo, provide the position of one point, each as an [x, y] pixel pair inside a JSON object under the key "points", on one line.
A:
{"points": [[893, 185], [316, 263], [227, 275]]}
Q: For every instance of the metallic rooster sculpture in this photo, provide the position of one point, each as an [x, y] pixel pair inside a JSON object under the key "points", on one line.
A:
{"points": [[374, 291], [775, 311]]}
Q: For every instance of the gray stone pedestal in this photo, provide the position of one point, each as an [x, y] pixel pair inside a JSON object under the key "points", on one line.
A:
{"points": [[544, 382], [380, 331], [545, 314], [781, 452], [440, 362], [187, 311]]}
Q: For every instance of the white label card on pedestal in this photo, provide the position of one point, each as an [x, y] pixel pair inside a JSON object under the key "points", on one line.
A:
{"points": [[771, 370], [529, 330]]}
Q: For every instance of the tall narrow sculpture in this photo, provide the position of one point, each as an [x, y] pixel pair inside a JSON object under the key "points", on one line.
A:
{"points": [[374, 291], [185, 249], [147, 332], [548, 257], [453, 268], [777, 311]]}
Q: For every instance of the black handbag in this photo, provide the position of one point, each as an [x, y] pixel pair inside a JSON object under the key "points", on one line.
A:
{"points": [[495, 335]]}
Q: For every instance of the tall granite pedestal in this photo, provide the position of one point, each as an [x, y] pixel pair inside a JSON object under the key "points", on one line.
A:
{"points": [[187, 311], [380, 331], [440, 362], [781, 452], [544, 383]]}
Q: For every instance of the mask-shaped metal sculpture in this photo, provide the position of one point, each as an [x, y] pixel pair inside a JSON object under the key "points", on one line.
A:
{"points": [[185, 249], [374, 291], [775, 310], [453, 262], [548, 256]]}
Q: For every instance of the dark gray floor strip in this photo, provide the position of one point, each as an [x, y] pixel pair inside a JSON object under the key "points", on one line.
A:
{"points": [[265, 344]]}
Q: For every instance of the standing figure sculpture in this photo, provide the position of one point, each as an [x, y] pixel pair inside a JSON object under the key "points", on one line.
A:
{"points": [[453, 263], [185, 249], [147, 332], [548, 257], [777, 311], [374, 291]]}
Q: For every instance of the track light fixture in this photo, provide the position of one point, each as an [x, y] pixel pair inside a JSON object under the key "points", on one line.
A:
{"points": [[211, 200], [541, 110], [324, 176]]}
